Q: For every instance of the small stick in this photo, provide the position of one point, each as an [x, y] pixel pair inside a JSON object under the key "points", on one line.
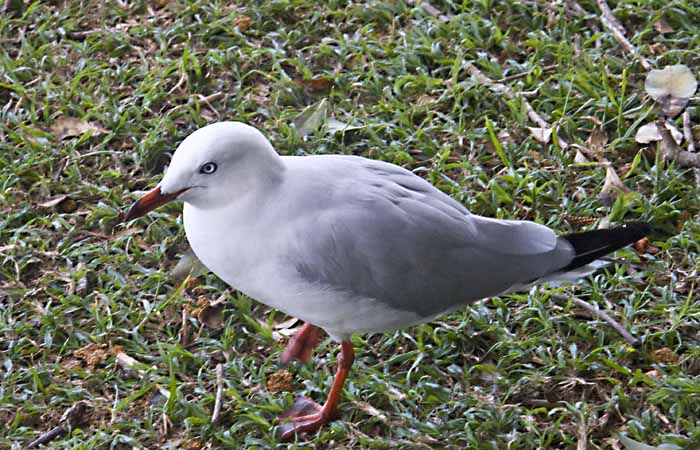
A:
{"points": [[219, 393], [526, 73], [672, 152], [602, 315], [49, 436], [185, 329], [611, 23], [687, 132], [73, 417]]}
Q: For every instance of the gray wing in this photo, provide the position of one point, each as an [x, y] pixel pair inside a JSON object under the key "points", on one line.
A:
{"points": [[390, 235]]}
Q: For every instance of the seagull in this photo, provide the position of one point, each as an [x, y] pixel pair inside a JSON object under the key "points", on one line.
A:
{"points": [[352, 245]]}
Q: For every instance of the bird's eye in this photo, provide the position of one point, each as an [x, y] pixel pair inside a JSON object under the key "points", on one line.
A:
{"points": [[208, 168]]}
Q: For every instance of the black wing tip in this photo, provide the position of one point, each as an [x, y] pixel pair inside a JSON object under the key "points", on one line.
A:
{"points": [[591, 245], [640, 229]]}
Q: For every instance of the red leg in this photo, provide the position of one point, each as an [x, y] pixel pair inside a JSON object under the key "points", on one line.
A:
{"points": [[302, 344], [307, 415]]}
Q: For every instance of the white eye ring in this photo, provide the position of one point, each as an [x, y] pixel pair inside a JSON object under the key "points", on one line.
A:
{"points": [[208, 168]]}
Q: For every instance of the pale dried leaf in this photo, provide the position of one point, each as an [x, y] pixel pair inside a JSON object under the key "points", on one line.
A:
{"points": [[505, 138], [597, 140], [311, 118], [65, 127], [289, 323], [541, 135], [661, 26], [612, 186], [334, 126], [671, 87], [580, 158], [650, 133], [52, 202], [188, 264], [126, 362], [370, 410], [425, 100]]}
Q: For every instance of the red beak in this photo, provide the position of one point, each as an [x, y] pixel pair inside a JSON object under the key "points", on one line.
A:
{"points": [[149, 202]]}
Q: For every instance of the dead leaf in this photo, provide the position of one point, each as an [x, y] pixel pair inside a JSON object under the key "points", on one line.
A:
{"points": [[210, 314], [61, 203], [311, 118], [671, 88], [597, 141], [370, 410], [650, 133], [188, 264], [665, 356], [289, 323], [315, 85], [127, 362], [661, 26], [94, 354], [505, 137], [243, 22], [580, 158], [612, 186], [541, 135], [192, 444], [425, 100], [643, 247], [65, 127], [280, 381]]}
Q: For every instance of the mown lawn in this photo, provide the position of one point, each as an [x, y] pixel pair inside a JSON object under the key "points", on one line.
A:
{"points": [[95, 95]]}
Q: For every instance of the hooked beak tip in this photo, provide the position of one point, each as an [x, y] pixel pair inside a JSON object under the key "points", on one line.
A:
{"points": [[149, 202]]}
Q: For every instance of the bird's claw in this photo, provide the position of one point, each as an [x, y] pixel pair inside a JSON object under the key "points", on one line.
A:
{"points": [[304, 415]]}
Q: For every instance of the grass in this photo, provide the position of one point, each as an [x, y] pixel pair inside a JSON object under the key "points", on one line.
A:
{"points": [[520, 372]]}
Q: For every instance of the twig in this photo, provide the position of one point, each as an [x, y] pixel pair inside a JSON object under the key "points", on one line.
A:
{"points": [[611, 23], [500, 87], [73, 417], [184, 329], [582, 443], [526, 73], [687, 132], [208, 99], [211, 98], [219, 393], [602, 315], [670, 151]]}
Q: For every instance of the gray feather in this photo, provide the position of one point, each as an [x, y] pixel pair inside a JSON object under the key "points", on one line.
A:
{"points": [[385, 233]]}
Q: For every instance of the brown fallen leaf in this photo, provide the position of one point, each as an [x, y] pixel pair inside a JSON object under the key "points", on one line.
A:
{"points": [[243, 22], [643, 247], [661, 26], [665, 356], [315, 85], [94, 354], [193, 444], [596, 142], [612, 186], [210, 314], [280, 381], [61, 203], [65, 127]]}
